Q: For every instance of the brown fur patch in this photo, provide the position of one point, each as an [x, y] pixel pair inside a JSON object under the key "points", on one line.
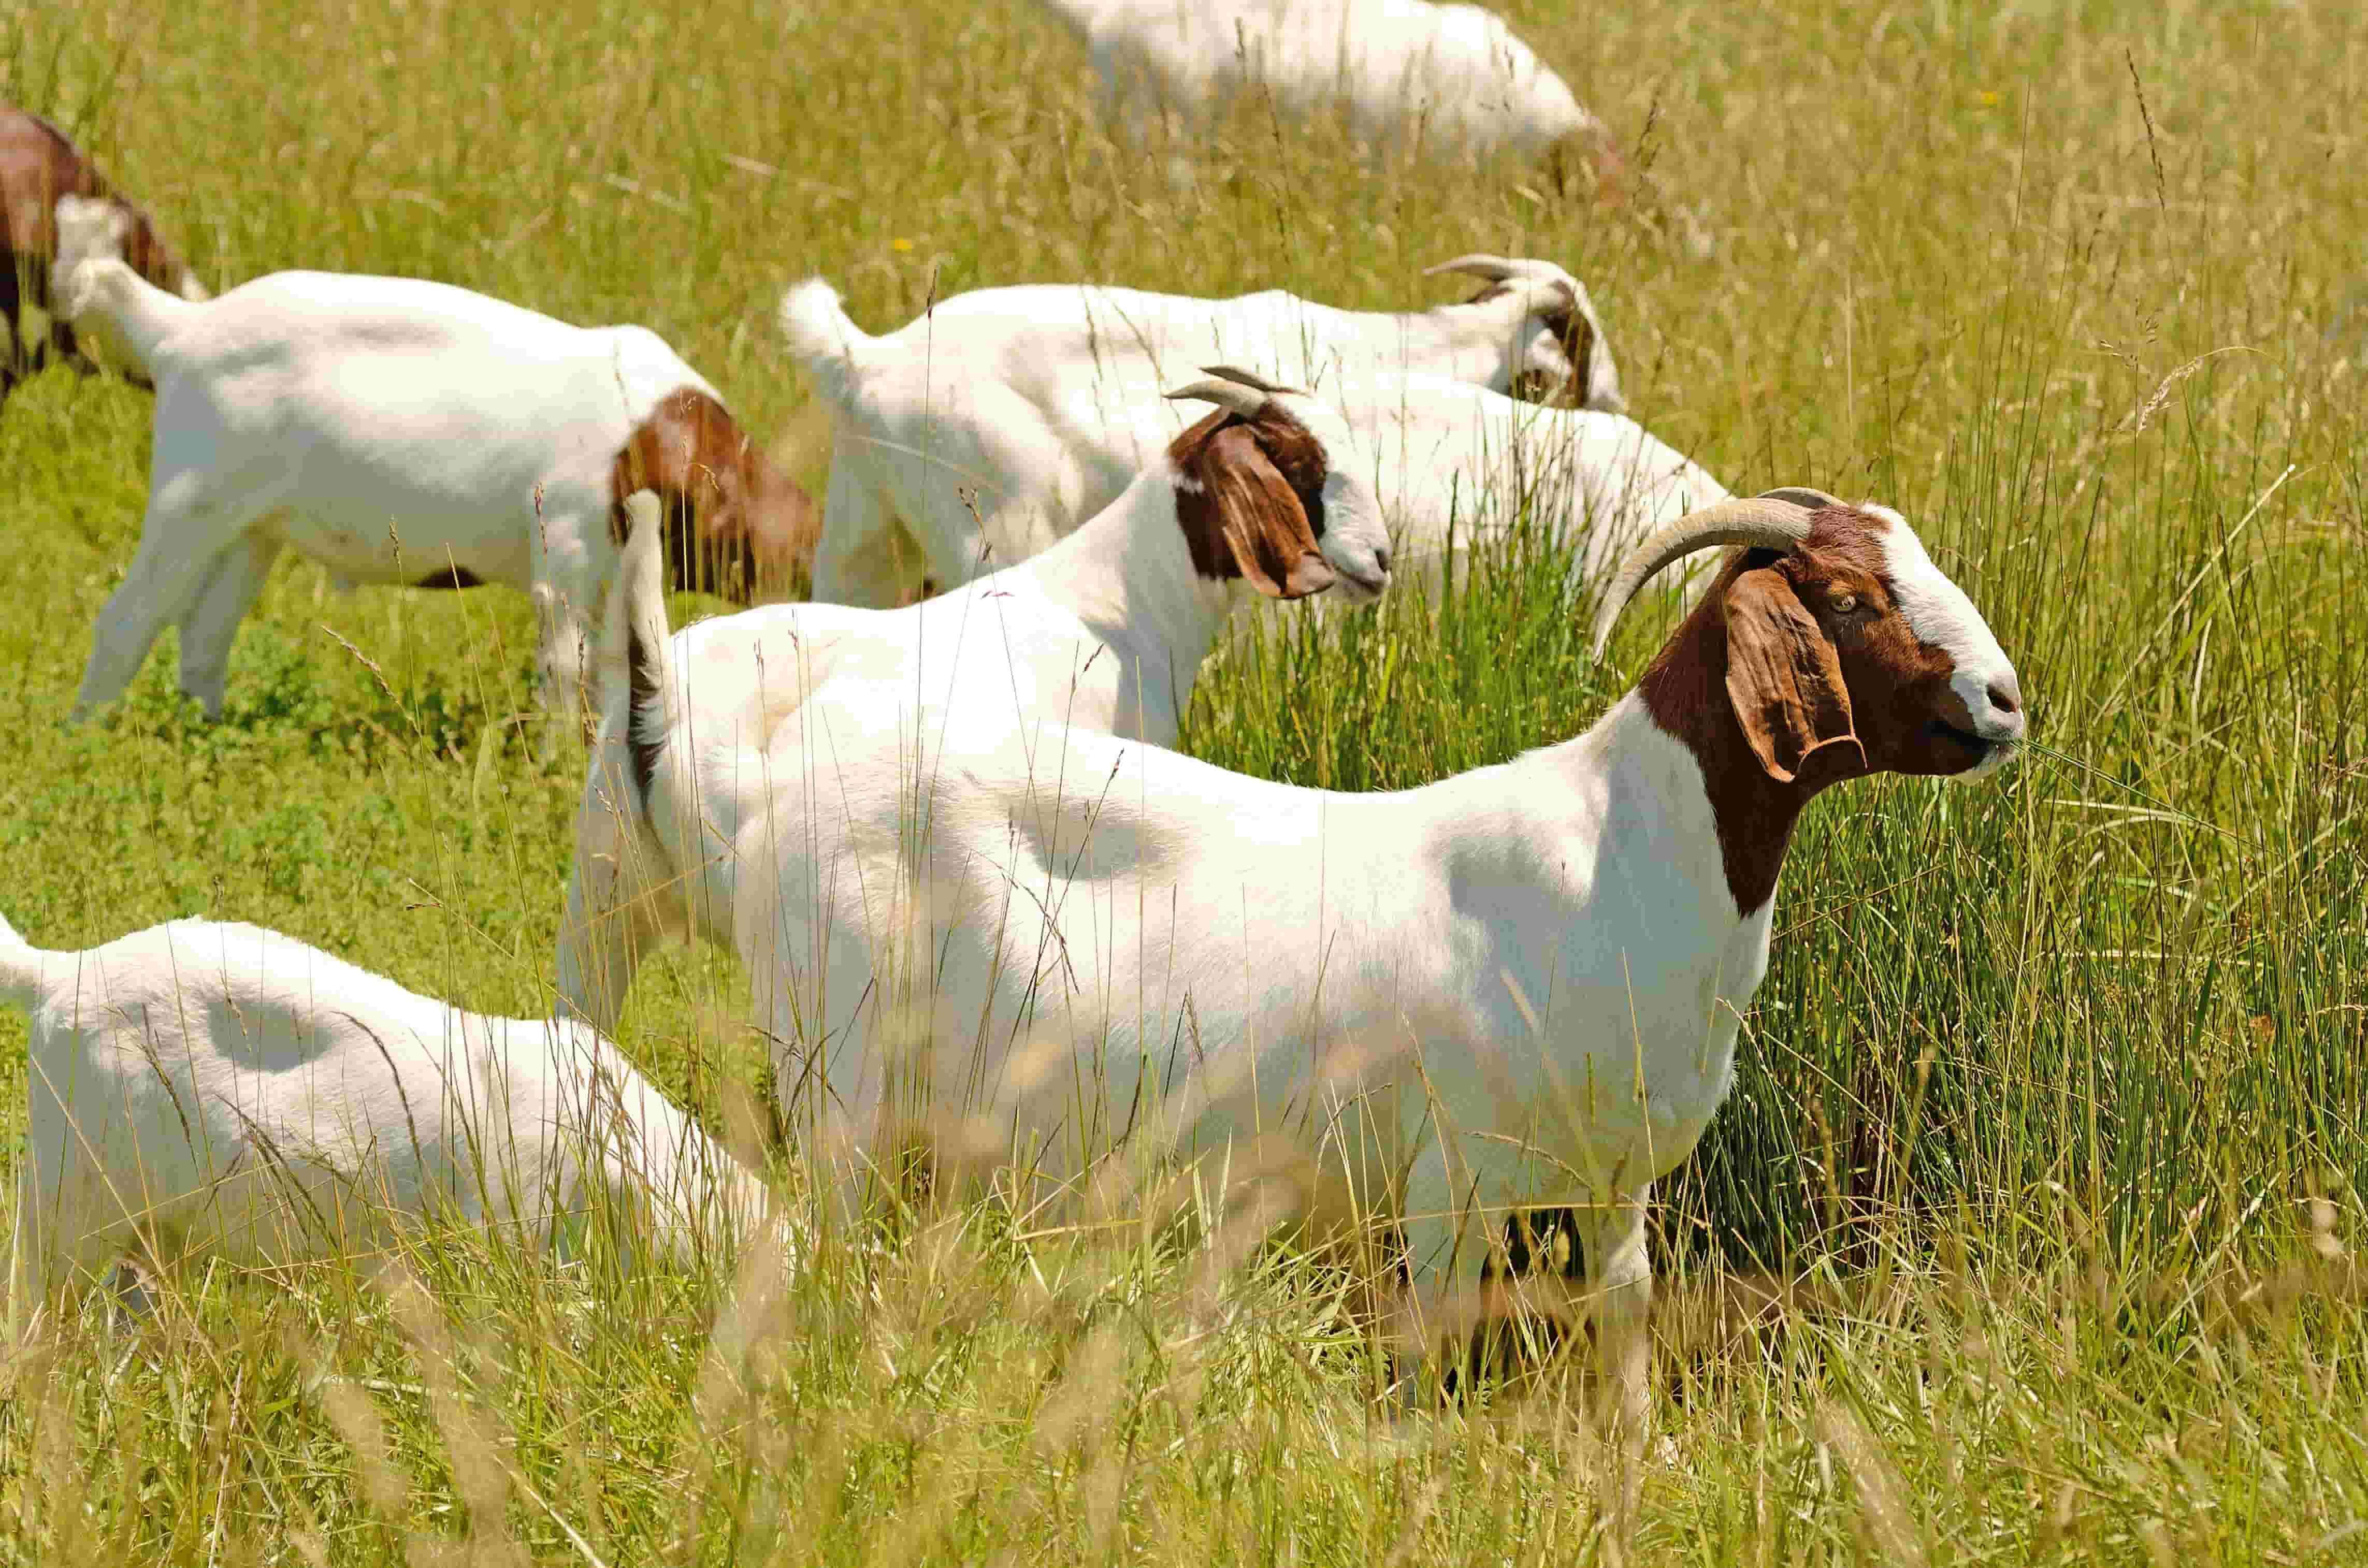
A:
{"points": [[1249, 496], [38, 164], [736, 525], [1894, 688]]}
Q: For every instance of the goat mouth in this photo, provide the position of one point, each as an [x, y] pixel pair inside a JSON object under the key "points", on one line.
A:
{"points": [[1982, 746]]}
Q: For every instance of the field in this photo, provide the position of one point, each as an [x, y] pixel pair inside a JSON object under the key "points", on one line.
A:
{"points": [[2031, 1234]]}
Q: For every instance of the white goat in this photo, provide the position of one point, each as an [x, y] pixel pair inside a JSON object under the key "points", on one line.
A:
{"points": [[1456, 463], [402, 432], [1520, 987], [198, 1085], [1105, 631], [979, 431], [1403, 73]]}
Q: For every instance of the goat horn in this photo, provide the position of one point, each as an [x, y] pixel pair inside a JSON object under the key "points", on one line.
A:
{"points": [[1774, 521], [1236, 390], [1250, 378], [1480, 264], [1802, 495]]}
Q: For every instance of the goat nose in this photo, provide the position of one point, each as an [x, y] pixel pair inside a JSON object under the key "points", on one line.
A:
{"points": [[1381, 560], [2006, 695]]}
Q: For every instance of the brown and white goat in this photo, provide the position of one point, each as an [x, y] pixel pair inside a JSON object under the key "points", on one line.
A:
{"points": [[39, 163], [1513, 990], [408, 433]]}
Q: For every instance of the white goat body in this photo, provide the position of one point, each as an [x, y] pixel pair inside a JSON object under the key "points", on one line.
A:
{"points": [[1105, 631], [1402, 72], [1456, 464], [1519, 987], [984, 430], [205, 1086], [396, 432]]}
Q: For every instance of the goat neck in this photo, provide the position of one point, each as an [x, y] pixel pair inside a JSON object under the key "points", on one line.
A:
{"points": [[1684, 691], [1128, 573]]}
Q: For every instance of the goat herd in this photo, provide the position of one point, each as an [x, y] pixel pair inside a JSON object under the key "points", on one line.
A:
{"points": [[979, 905]]}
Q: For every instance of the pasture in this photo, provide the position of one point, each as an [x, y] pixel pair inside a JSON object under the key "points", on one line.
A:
{"points": [[2031, 1233]]}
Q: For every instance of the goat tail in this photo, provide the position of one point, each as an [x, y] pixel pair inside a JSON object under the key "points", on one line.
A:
{"points": [[20, 967], [94, 281], [637, 677], [823, 339]]}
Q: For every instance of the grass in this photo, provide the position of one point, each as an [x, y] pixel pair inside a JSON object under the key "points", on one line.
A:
{"points": [[2050, 1121]]}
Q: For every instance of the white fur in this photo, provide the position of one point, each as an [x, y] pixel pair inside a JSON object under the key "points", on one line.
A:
{"points": [[1519, 986], [198, 1085], [1938, 611], [1003, 418], [388, 428], [1457, 463], [1105, 631], [1402, 71]]}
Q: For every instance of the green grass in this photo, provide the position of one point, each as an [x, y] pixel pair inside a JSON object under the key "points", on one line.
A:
{"points": [[2051, 1111]]}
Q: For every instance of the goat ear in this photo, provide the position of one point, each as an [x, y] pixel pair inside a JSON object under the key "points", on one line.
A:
{"points": [[1248, 506], [1783, 676]]}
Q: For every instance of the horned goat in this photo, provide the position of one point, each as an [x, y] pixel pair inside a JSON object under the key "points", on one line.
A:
{"points": [[979, 432], [221, 1087], [40, 163], [409, 433], [1516, 988], [1103, 631]]}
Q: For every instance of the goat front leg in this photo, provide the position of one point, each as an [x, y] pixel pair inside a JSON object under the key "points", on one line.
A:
{"points": [[212, 621], [1620, 1292], [177, 556]]}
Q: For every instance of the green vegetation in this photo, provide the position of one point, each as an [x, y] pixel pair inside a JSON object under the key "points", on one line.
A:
{"points": [[2053, 1099]]}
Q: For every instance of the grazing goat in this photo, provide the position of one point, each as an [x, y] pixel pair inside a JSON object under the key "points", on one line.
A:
{"points": [[979, 431], [405, 431], [198, 1085], [1403, 73], [1105, 631], [38, 164], [1516, 988], [1456, 464]]}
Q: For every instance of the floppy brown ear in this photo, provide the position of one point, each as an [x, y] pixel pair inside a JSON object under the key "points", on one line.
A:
{"points": [[1783, 676], [1243, 501]]}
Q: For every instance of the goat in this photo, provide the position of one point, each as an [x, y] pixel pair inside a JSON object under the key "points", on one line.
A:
{"points": [[1456, 463], [39, 163], [406, 432], [205, 1086], [979, 430], [1517, 988], [1404, 74], [1105, 631]]}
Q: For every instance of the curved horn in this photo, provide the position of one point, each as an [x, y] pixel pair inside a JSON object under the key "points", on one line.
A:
{"points": [[1225, 394], [1248, 378], [1772, 522], [1479, 263], [1802, 495], [1236, 390]]}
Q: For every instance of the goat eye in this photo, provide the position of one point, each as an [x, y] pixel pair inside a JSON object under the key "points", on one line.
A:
{"points": [[1843, 601]]}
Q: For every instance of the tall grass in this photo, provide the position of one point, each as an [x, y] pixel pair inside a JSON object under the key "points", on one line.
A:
{"points": [[2027, 1234]]}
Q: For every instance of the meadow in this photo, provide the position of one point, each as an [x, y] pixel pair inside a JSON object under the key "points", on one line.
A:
{"points": [[2031, 1233]]}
